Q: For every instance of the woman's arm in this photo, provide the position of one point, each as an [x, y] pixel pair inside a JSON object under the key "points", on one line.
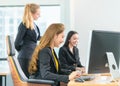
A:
{"points": [[79, 65], [78, 58], [19, 37]]}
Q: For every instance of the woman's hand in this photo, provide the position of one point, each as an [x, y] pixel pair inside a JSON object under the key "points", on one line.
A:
{"points": [[74, 74], [82, 69]]}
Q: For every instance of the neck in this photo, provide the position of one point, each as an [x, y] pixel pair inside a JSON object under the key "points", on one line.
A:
{"points": [[71, 48], [52, 46]]}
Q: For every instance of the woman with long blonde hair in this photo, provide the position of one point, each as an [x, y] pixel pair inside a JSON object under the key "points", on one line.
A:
{"points": [[27, 36], [44, 63]]}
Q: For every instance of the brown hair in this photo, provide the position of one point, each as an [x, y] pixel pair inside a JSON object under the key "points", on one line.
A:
{"points": [[45, 41], [27, 17]]}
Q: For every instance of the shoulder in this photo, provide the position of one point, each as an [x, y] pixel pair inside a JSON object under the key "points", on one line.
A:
{"points": [[75, 48], [63, 48], [22, 26], [44, 55], [45, 50]]}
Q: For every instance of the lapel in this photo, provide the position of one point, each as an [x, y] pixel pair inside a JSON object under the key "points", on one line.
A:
{"points": [[54, 60], [72, 56], [33, 31], [75, 52], [38, 33]]}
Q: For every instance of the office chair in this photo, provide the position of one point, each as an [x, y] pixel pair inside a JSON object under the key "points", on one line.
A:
{"points": [[18, 77]]}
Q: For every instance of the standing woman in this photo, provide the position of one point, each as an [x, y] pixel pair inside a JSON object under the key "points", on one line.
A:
{"points": [[27, 36], [44, 63], [69, 53]]}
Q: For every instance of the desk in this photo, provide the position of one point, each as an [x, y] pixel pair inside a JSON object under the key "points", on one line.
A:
{"points": [[4, 71], [100, 80], [3, 75]]}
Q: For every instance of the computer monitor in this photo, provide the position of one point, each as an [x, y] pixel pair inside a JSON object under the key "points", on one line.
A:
{"points": [[102, 42]]}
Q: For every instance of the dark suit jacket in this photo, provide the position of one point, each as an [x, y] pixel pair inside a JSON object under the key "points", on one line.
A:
{"points": [[26, 41], [47, 67], [25, 44], [68, 60]]}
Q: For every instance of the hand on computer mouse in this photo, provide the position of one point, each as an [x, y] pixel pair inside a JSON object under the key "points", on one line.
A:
{"points": [[79, 80], [82, 69], [74, 75]]}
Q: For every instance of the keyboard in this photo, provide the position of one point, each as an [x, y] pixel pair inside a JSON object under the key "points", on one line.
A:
{"points": [[87, 77]]}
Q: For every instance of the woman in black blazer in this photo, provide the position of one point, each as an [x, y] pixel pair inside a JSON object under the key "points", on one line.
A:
{"points": [[27, 36], [44, 63], [69, 53]]}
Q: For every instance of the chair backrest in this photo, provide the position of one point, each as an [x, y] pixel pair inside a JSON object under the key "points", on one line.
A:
{"points": [[17, 73], [11, 52], [18, 76], [10, 45]]}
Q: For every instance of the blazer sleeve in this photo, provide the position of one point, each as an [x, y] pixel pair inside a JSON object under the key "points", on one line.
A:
{"points": [[45, 68], [19, 38], [63, 59], [78, 58]]}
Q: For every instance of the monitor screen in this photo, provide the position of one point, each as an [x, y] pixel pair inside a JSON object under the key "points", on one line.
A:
{"points": [[102, 42]]}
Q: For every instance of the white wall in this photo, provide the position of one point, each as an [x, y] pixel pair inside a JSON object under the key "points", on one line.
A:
{"points": [[94, 14]]}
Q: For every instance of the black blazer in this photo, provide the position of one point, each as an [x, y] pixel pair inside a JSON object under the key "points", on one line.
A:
{"points": [[68, 60], [26, 41], [47, 67]]}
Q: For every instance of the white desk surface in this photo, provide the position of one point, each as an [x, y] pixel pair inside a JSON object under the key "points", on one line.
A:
{"points": [[4, 68]]}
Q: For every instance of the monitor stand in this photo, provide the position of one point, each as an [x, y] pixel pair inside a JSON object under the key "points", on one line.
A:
{"points": [[114, 71]]}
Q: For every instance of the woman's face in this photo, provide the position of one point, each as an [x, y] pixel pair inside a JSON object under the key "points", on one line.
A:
{"points": [[58, 39], [74, 40], [37, 14]]}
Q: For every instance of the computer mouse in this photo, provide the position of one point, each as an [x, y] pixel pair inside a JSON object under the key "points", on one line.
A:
{"points": [[79, 80]]}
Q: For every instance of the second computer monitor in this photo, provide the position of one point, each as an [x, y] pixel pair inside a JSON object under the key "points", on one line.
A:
{"points": [[102, 42]]}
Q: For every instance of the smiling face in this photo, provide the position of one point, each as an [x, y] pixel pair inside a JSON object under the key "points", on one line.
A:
{"points": [[36, 15], [58, 39], [74, 40]]}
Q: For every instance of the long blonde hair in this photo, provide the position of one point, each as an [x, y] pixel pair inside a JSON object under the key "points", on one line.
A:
{"points": [[45, 41], [27, 17]]}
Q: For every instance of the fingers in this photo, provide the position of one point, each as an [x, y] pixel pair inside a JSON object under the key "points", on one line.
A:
{"points": [[81, 69], [74, 75]]}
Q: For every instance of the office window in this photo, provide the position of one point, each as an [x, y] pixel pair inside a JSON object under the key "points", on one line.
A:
{"points": [[11, 16]]}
